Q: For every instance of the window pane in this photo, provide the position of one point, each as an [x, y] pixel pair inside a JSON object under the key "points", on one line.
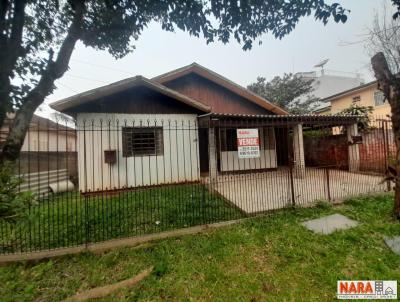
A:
{"points": [[379, 98], [142, 141], [356, 99]]}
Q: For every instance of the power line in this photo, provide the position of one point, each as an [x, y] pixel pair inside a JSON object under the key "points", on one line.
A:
{"points": [[85, 78], [346, 43], [69, 88], [368, 36], [102, 66], [375, 32], [363, 66]]}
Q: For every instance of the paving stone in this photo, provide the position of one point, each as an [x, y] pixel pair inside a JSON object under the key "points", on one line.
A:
{"points": [[329, 224], [393, 243]]}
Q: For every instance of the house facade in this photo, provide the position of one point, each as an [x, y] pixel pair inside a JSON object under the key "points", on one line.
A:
{"points": [[363, 95], [177, 128], [149, 128]]}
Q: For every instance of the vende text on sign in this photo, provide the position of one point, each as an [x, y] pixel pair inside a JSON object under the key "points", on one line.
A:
{"points": [[248, 143]]}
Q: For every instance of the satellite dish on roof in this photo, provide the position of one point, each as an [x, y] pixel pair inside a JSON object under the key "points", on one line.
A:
{"points": [[321, 64]]}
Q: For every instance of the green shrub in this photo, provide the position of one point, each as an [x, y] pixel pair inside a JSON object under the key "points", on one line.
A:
{"points": [[364, 116], [13, 204]]}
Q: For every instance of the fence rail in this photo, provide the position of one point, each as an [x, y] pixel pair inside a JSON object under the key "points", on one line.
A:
{"points": [[140, 176]]}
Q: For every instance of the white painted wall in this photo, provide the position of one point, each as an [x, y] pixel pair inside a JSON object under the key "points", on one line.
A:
{"points": [[49, 141], [46, 140], [229, 160], [101, 131]]}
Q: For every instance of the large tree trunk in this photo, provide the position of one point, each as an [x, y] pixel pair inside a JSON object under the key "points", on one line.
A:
{"points": [[389, 84], [55, 70], [10, 49], [3, 114]]}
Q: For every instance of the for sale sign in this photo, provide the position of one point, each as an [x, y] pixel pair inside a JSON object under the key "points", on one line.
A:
{"points": [[248, 143]]}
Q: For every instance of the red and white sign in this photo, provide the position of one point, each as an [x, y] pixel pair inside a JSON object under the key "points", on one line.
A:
{"points": [[248, 143], [367, 289]]}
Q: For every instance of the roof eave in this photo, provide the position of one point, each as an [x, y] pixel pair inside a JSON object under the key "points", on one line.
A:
{"points": [[104, 91], [92, 94]]}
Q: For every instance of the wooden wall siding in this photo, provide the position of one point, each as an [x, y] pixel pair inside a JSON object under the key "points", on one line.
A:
{"points": [[49, 141], [230, 161], [139, 100], [219, 98], [32, 162], [178, 163]]}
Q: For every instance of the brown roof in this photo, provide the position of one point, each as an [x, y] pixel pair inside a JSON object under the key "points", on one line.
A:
{"points": [[156, 84], [91, 95], [222, 81]]}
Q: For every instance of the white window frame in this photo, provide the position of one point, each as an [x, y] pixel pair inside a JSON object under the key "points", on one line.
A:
{"points": [[384, 102]]}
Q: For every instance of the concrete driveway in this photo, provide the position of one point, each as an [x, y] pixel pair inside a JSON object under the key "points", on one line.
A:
{"points": [[260, 192]]}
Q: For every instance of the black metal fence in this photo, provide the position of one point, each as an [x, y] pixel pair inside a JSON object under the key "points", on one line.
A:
{"points": [[107, 177]]}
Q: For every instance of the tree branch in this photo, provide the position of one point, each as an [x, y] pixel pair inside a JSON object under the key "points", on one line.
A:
{"points": [[14, 43], [4, 4], [10, 49], [55, 70], [390, 85]]}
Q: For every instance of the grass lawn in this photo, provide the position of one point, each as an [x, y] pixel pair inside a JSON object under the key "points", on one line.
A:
{"points": [[71, 219], [270, 258]]}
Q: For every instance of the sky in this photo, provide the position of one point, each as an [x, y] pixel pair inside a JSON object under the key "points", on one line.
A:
{"points": [[158, 51]]}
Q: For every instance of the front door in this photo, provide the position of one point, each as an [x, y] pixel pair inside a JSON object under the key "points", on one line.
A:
{"points": [[203, 150]]}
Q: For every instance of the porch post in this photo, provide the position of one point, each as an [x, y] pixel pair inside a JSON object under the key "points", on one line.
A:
{"points": [[299, 168], [353, 150], [212, 154]]}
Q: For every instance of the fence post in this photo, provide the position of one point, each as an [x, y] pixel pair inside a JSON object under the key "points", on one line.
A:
{"points": [[213, 169], [292, 186], [298, 151], [353, 149], [328, 186], [386, 150], [86, 219], [203, 203]]}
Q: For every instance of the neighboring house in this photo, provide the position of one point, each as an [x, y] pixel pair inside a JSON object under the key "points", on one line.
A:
{"points": [[43, 135], [363, 95], [327, 82], [174, 128]]}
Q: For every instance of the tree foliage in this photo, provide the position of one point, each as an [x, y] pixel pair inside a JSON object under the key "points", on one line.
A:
{"points": [[13, 204], [290, 92], [363, 113], [37, 38]]}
